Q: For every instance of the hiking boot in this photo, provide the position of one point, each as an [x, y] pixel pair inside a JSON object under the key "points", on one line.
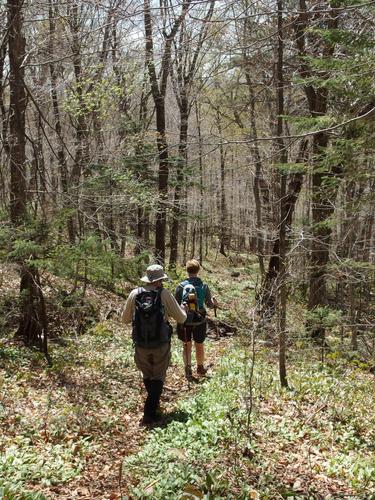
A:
{"points": [[201, 370], [146, 421], [188, 372], [151, 422], [154, 389]]}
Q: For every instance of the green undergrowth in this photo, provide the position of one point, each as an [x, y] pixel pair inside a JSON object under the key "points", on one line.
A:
{"points": [[182, 456], [51, 418], [314, 440]]}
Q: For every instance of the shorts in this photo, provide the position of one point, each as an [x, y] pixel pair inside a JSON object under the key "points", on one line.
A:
{"points": [[198, 332]]}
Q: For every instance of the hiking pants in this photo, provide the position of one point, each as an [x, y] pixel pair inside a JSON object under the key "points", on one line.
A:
{"points": [[153, 363]]}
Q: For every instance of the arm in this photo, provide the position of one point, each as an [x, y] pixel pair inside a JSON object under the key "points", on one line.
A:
{"points": [[128, 311], [172, 307], [210, 301]]}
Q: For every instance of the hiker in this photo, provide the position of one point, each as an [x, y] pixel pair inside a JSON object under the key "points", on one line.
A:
{"points": [[195, 294], [149, 308]]}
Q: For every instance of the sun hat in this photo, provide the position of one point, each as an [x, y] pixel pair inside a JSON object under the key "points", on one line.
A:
{"points": [[154, 273]]}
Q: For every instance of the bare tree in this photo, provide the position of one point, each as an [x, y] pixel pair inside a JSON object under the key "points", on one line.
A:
{"points": [[186, 62], [159, 89]]}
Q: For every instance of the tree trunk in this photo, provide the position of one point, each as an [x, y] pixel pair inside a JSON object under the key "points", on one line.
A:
{"points": [[258, 182], [140, 229], [185, 62], [61, 159], [223, 224], [181, 167], [81, 150], [269, 291], [322, 201], [283, 158], [202, 218], [33, 323], [18, 102], [4, 127]]}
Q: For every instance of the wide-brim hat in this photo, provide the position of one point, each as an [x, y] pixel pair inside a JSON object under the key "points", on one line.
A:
{"points": [[154, 273]]}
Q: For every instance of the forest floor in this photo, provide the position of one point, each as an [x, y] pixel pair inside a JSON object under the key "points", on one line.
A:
{"points": [[72, 430]]}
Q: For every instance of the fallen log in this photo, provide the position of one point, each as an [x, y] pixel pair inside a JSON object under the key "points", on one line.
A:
{"points": [[217, 328]]}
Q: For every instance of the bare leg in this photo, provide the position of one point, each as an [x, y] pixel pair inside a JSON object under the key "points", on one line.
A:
{"points": [[199, 352], [187, 358]]}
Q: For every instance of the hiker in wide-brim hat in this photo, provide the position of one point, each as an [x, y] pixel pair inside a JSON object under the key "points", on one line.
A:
{"points": [[149, 308], [154, 273]]}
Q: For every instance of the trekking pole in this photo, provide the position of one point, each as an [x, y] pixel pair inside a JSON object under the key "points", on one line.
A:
{"points": [[216, 322], [186, 360]]}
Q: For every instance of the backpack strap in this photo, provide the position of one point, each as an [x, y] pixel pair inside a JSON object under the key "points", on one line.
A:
{"points": [[202, 295], [160, 292], [205, 287], [139, 290]]}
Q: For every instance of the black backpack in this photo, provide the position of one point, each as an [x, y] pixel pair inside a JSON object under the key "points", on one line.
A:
{"points": [[149, 327]]}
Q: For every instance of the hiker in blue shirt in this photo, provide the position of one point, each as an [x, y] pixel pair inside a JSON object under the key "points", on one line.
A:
{"points": [[194, 294]]}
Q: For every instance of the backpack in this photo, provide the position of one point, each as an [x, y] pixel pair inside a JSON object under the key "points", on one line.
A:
{"points": [[193, 295], [149, 327]]}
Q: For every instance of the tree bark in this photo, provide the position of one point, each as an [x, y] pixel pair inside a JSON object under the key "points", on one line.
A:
{"points": [[258, 183], [4, 126], [223, 224], [202, 218], [283, 158], [322, 200], [61, 158], [181, 167], [18, 103], [268, 295], [33, 323], [81, 150]]}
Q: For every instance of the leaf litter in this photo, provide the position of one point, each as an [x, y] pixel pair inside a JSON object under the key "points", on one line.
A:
{"points": [[89, 404]]}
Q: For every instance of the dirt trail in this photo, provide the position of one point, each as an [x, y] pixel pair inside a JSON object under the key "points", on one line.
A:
{"points": [[101, 476], [79, 386]]}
